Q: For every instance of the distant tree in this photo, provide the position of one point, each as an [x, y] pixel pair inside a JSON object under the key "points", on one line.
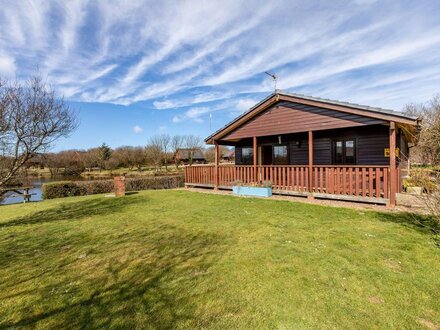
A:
{"points": [[192, 143], [105, 152], [153, 154], [164, 142], [32, 118], [66, 162], [54, 163], [209, 153], [90, 158], [428, 146], [177, 142], [139, 157], [123, 157]]}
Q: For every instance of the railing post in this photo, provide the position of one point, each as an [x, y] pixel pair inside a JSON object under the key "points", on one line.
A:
{"points": [[393, 174], [216, 161], [255, 159], [310, 163]]}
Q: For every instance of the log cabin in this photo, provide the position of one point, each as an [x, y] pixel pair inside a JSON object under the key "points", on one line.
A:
{"points": [[314, 147]]}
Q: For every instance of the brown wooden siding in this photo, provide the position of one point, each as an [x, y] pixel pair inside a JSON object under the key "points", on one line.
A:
{"points": [[370, 144], [287, 117]]}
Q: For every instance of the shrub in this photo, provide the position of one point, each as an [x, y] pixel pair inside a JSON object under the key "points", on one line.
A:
{"points": [[96, 186], [421, 178], [81, 188], [154, 182], [62, 189]]}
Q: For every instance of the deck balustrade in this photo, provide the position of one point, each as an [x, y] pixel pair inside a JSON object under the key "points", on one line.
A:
{"points": [[357, 181]]}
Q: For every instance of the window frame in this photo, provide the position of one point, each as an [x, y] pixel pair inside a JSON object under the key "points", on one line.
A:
{"points": [[251, 156], [344, 151], [287, 153]]}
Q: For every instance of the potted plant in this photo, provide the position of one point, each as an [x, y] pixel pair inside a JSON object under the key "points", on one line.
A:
{"points": [[252, 189]]}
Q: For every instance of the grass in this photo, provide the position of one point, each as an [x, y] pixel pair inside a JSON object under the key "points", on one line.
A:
{"points": [[179, 259]]}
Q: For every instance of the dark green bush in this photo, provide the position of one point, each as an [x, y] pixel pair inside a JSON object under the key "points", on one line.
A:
{"points": [[154, 182], [81, 188], [96, 186], [62, 189]]}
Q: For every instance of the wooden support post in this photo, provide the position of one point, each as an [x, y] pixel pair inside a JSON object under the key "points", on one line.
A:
{"points": [[216, 169], [255, 159], [311, 163], [393, 172]]}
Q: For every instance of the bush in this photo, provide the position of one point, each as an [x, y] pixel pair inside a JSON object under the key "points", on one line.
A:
{"points": [[81, 188], [62, 189], [155, 182], [96, 186], [421, 178]]}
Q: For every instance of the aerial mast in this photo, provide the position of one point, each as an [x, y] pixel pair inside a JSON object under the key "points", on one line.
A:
{"points": [[274, 78]]}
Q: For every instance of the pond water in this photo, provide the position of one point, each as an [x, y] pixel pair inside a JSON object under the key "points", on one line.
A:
{"points": [[36, 193]]}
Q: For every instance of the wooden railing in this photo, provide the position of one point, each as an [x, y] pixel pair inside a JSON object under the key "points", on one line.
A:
{"points": [[200, 174], [362, 181], [365, 181]]}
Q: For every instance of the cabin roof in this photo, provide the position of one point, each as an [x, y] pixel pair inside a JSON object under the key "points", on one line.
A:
{"points": [[368, 111]]}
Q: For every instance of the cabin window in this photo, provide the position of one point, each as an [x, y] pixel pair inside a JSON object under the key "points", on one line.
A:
{"points": [[247, 156], [280, 155], [344, 152]]}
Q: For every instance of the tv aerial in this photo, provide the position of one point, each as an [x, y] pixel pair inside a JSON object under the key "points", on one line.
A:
{"points": [[274, 78]]}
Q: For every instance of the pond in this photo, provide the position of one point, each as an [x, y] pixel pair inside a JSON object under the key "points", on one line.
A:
{"points": [[36, 192]]}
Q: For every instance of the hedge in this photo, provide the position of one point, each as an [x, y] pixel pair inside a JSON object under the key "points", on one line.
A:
{"points": [[81, 188]]}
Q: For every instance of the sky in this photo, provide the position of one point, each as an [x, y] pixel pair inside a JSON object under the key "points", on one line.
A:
{"points": [[133, 69]]}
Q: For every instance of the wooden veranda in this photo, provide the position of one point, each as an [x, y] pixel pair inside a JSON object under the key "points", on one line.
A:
{"points": [[313, 147]]}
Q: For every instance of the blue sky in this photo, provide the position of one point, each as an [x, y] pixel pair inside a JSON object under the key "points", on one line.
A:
{"points": [[133, 69]]}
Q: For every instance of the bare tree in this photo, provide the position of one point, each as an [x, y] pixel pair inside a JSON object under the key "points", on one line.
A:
{"points": [[154, 151], [210, 153], [165, 141], [428, 146], [90, 158], [66, 162], [192, 143], [32, 117], [139, 157], [176, 143]]}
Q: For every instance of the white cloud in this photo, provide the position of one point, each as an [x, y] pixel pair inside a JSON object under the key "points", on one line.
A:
{"points": [[194, 114], [200, 53], [245, 104], [137, 129], [7, 66], [166, 104]]}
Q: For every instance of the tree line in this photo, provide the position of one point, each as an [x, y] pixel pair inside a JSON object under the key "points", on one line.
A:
{"points": [[157, 153]]}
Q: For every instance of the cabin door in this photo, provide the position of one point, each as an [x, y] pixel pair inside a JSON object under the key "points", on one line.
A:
{"points": [[267, 154]]}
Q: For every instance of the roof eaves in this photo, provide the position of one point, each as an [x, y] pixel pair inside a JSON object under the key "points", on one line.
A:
{"points": [[241, 116], [317, 99]]}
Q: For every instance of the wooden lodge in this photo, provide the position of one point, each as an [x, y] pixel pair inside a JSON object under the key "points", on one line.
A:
{"points": [[188, 156], [313, 147]]}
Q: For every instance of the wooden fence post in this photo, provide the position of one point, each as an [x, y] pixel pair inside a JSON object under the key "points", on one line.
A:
{"points": [[393, 172], [216, 165], [310, 163], [255, 159]]}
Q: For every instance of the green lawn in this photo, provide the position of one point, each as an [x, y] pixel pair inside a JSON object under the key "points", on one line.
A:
{"points": [[179, 259]]}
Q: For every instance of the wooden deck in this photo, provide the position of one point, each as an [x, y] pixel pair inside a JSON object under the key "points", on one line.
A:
{"points": [[355, 183]]}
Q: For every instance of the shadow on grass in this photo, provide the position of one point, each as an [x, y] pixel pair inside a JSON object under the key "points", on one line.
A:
{"points": [[159, 286], [422, 223], [74, 211]]}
